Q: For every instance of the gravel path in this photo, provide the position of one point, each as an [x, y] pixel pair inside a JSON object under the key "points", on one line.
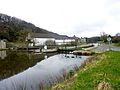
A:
{"points": [[105, 47]]}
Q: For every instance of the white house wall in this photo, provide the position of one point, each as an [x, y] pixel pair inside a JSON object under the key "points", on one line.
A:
{"points": [[41, 41], [60, 42]]}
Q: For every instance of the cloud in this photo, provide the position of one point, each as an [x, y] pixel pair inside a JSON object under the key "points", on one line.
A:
{"points": [[70, 17]]}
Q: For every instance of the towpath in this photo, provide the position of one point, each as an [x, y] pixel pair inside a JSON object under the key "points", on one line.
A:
{"points": [[106, 47]]}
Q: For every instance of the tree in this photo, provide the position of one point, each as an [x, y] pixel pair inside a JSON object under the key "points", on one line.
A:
{"points": [[93, 39], [118, 34], [116, 39], [50, 42], [103, 36]]}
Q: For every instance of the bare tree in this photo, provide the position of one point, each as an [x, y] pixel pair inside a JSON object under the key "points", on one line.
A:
{"points": [[103, 36]]}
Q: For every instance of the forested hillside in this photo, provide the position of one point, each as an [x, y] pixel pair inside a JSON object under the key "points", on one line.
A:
{"points": [[13, 29]]}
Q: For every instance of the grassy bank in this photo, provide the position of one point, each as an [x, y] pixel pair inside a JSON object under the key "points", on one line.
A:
{"points": [[101, 73], [117, 44]]}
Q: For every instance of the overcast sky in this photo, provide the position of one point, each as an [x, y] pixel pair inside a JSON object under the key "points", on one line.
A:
{"points": [[83, 18]]}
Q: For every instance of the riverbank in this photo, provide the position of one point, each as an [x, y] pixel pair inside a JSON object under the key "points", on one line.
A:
{"points": [[102, 73], [116, 44], [13, 62]]}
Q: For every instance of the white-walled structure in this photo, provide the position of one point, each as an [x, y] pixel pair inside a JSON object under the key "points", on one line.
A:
{"points": [[41, 41], [64, 41]]}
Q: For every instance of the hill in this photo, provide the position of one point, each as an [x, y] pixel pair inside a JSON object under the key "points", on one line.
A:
{"points": [[14, 29]]}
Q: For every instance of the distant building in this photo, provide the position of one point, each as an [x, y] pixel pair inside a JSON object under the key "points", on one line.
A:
{"points": [[83, 40], [40, 39], [64, 41], [67, 40]]}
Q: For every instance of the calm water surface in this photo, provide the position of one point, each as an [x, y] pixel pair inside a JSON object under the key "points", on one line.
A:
{"points": [[42, 73]]}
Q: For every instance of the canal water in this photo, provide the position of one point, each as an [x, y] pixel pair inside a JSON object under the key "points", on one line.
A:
{"points": [[46, 72]]}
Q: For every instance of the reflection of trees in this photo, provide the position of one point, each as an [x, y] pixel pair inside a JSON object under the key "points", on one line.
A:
{"points": [[16, 62], [3, 54]]}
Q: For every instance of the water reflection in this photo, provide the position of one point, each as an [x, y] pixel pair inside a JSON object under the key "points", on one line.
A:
{"points": [[13, 62], [45, 56], [42, 74], [3, 54]]}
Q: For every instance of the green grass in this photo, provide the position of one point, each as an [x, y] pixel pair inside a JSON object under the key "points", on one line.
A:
{"points": [[117, 44], [105, 67]]}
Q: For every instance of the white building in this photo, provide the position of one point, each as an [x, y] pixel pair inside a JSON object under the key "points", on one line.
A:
{"points": [[41, 41], [64, 41]]}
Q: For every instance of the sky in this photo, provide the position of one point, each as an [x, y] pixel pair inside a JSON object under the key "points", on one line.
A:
{"points": [[83, 18]]}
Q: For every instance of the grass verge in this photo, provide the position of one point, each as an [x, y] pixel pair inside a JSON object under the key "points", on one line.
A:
{"points": [[102, 73], [116, 44]]}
